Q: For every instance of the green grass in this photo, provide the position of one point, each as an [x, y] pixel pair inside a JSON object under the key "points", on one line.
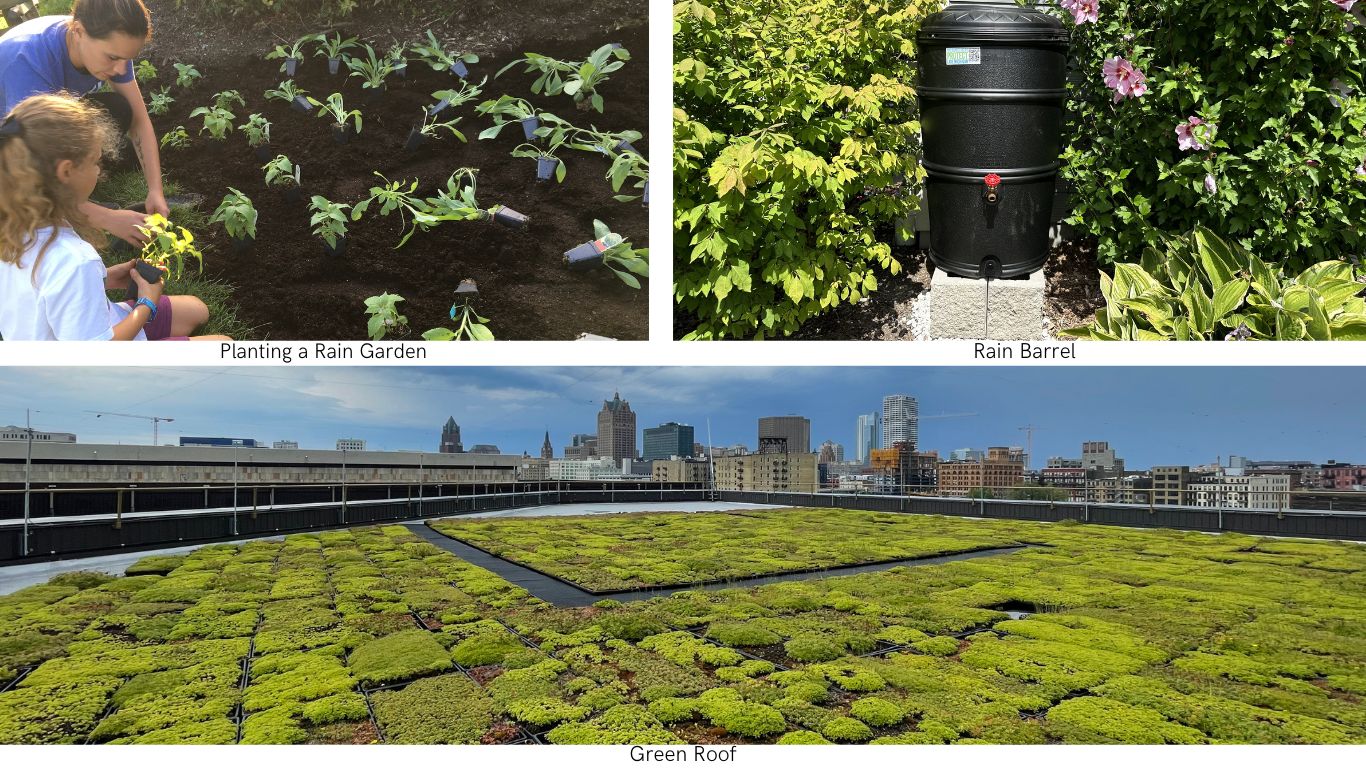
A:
{"points": [[130, 188], [1140, 637]]}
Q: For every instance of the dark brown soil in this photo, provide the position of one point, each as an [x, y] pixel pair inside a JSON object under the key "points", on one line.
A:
{"points": [[289, 289], [1073, 293]]}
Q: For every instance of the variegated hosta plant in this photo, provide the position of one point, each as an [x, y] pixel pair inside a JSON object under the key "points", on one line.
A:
{"points": [[1202, 288]]}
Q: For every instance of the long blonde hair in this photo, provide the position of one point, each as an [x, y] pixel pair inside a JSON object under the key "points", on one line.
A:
{"points": [[53, 128]]}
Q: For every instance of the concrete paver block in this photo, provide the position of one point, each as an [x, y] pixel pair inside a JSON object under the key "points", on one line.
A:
{"points": [[1000, 310]]}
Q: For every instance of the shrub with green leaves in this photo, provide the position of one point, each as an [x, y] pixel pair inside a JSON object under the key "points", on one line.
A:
{"points": [[1200, 288], [795, 137], [1282, 86]]}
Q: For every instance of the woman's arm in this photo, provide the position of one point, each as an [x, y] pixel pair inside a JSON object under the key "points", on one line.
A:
{"points": [[143, 136]]}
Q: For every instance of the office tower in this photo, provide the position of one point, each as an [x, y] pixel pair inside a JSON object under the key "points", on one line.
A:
{"points": [[784, 434], [450, 437], [616, 429], [900, 421], [868, 437], [667, 441]]}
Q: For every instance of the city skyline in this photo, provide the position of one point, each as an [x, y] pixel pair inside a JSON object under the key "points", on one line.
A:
{"points": [[1265, 414]]}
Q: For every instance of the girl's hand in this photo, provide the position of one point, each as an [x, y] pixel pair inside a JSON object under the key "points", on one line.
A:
{"points": [[118, 274], [156, 203], [147, 290]]}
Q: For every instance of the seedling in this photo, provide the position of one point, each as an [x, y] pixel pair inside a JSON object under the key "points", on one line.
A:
{"points": [[613, 251], [168, 246], [384, 316], [632, 167], [176, 138], [257, 129], [439, 59], [342, 118], [506, 109], [291, 94], [552, 72], [547, 158], [225, 99], [333, 48], [238, 216], [329, 223], [372, 70], [591, 73], [608, 143], [398, 58], [457, 202], [454, 98], [145, 71], [186, 75], [293, 54], [430, 127], [217, 121], [283, 173], [470, 325], [392, 197], [160, 101]]}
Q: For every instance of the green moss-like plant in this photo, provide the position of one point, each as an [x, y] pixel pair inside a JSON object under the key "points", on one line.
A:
{"points": [[724, 708], [879, 713], [625, 724], [802, 737], [450, 709], [542, 712], [400, 656], [486, 649], [1091, 719], [847, 730], [671, 710], [742, 634], [937, 646], [813, 648], [337, 708]]}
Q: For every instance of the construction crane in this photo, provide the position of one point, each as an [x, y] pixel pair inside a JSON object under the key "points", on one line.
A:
{"points": [[156, 421], [1029, 429], [948, 416]]}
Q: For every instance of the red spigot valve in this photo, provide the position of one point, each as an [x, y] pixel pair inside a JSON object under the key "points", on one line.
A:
{"points": [[993, 182]]}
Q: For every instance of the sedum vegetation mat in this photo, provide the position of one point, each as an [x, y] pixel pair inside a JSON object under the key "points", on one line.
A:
{"points": [[1107, 635], [635, 551]]}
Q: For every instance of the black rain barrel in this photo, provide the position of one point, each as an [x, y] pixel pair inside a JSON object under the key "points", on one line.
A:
{"points": [[992, 89]]}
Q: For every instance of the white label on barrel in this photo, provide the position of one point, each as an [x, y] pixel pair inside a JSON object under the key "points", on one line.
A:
{"points": [[956, 56]]}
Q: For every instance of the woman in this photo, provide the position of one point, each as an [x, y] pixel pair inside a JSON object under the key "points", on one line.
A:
{"points": [[96, 44]]}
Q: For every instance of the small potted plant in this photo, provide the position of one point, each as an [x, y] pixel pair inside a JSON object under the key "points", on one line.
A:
{"points": [[292, 55], [607, 143], [384, 316], [547, 157], [632, 167], [457, 202], [393, 197], [429, 127], [186, 75], [372, 70], [469, 324], [398, 58], [333, 48], [329, 223], [164, 253], [550, 72], [590, 74], [217, 121], [613, 251], [454, 98], [506, 109], [257, 129], [344, 121], [284, 174], [238, 216], [439, 59], [160, 101], [292, 95]]}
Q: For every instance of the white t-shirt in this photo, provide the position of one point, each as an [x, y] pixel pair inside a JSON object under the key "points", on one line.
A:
{"points": [[68, 302]]}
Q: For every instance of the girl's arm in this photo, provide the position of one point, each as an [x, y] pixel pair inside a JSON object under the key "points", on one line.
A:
{"points": [[143, 137], [128, 328]]}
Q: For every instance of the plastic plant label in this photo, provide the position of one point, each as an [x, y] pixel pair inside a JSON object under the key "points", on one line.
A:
{"points": [[960, 56]]}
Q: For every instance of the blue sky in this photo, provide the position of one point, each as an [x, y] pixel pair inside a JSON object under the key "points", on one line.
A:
{"points": [[1150, 415]]}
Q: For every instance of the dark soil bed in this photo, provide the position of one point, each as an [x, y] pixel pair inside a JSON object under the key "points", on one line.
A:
{"points": [[289, 289]]}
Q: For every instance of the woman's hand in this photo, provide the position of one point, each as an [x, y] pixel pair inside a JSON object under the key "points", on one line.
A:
{"points": [[121, 224]]}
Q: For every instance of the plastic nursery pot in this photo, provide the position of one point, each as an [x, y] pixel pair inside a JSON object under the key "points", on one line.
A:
{"points": [[468, 288], [241, 245], [369, 96], [149, 273], [545, 167], [585, 255], [333, 65], [460, 70], [439, 108], [509, 218], [646, 199], [529, 127], [625, 146], [335, 251], [415, 140], [293, 194], [341, 134], [291, 67], [301, 103], [263, 154], [401, 69]]}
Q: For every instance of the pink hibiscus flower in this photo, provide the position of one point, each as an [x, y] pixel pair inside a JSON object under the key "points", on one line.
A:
{"points": [[1345, 5], [1124, 78], [1195, 134], [1210, 186], [1361, 169], [1084, 11]]}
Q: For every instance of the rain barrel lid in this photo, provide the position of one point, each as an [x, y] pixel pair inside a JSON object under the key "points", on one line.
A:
{"points": [[985, 21]]}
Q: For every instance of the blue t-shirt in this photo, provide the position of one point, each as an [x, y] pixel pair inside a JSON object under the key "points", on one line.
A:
{"points": [[34, 59]]}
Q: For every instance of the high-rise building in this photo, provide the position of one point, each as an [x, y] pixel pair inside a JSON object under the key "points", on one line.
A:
{"points": [[350, 444], [668, 440], [784, 434], [450, 437], [616, 429], [868, 436], [831, 452], [547, 450], [900, 421]]}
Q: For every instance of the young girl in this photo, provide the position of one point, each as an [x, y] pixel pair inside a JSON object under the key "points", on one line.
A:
{"points": [[52, 281]]}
